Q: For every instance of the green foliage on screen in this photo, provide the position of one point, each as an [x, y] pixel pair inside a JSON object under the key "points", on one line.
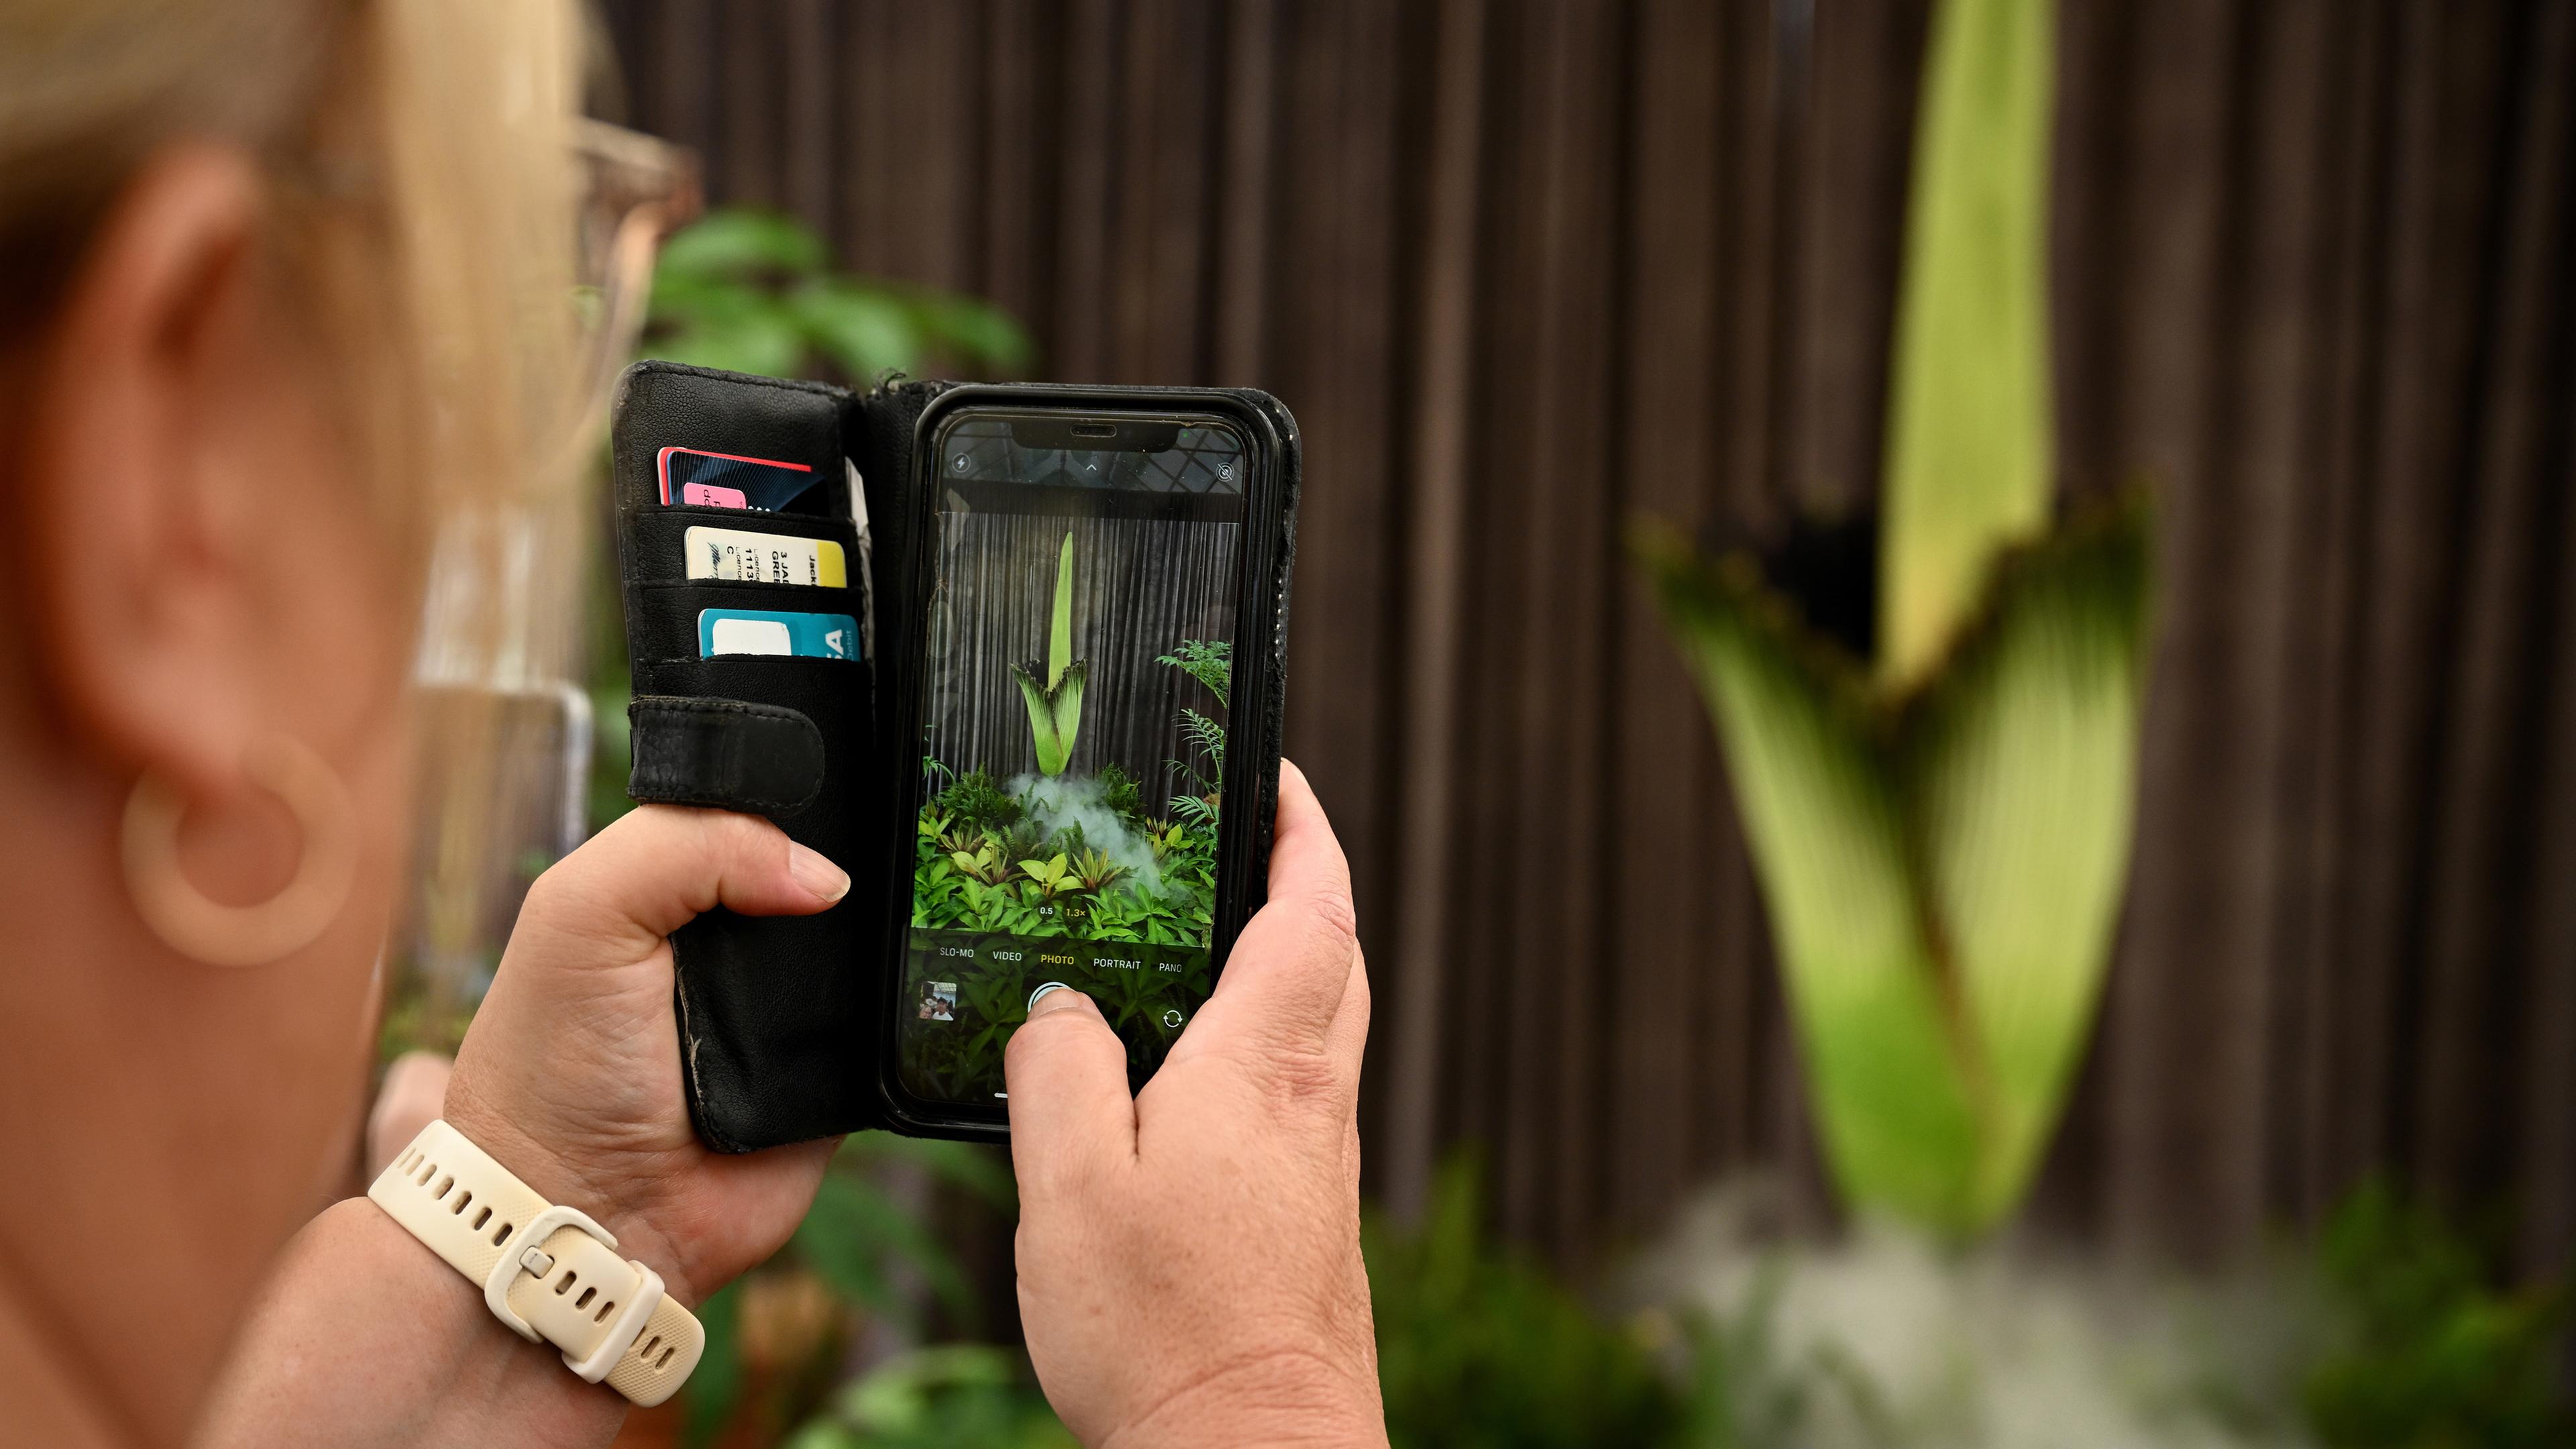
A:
{"points": [[1211, 663], [1054, 696]]}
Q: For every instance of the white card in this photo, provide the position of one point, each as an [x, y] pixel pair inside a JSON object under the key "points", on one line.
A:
{"points": [[769, 558]]}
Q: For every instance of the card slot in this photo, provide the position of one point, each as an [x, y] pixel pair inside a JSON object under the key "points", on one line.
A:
{"points": [[662, 616], [802, 525], [718, 676], [663, 405], [819, 596], [657, 545]]}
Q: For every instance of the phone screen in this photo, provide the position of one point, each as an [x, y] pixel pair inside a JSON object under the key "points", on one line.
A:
{"points": [[1076, 668]]}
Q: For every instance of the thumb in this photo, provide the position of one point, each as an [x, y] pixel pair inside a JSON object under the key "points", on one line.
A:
{"points": [[658, 866], [1070, 1107]]}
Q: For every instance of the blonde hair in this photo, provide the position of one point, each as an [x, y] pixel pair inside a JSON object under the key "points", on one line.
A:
{"points": [[423, 194]]}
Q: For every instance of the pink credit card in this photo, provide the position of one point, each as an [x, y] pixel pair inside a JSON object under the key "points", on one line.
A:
{"points": [[729, 480], [710, 496]]}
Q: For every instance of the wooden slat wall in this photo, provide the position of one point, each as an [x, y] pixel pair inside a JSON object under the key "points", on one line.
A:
{"points": [[1524, 269]]}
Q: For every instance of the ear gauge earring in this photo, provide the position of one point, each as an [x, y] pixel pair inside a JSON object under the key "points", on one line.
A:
{"points": [[285, 923]]}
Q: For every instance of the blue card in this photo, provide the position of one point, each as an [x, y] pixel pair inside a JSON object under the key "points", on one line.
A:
{"points": [[763, 631]]}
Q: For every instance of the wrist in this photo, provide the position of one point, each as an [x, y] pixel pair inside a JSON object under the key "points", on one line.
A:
{"points": [[1287, 1400], [617, 1200], [363, 1331]]}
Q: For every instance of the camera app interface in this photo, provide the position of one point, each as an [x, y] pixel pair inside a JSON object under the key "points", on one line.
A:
{"points": [[1079, 660]]}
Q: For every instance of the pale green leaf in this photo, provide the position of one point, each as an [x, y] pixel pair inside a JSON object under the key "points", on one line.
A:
{"points": [[1060, 627], [2022, 769], [1968, 436], [1064, 705], [1051, 749], [1822, 821]]}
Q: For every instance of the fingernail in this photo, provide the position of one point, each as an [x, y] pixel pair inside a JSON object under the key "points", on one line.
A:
{"points": [[1055, 996], [815, 872]]}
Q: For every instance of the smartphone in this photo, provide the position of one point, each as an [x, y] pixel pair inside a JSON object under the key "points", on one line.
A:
{"points": [[1089, 669]]}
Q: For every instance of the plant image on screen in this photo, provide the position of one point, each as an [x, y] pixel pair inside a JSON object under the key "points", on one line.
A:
{"points": [[1055, 707], [1069, 825]]}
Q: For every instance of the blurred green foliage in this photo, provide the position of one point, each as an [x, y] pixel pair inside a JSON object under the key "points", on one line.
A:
{"points": [[2428, 1352], [868, 1246], [959, 1396], [2416, 1346], [754, 291], [1480, 1348]]}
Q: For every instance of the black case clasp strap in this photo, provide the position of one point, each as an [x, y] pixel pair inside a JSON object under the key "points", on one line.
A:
{"points": [[725, 753]]}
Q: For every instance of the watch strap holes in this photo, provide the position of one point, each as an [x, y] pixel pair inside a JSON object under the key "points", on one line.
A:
{"points": [[564, 1284], [605, 1309], [501, 1234], [587, 1294], [446, 1185], [481, 1218], [464, 1200]]}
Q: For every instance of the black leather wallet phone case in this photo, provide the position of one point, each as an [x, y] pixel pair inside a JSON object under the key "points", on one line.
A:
{"points": [[781, 1018]]}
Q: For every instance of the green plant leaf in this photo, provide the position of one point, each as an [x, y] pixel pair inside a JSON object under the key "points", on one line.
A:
{"points": [[953, 1396], [1479, 1346], [1828, 843], [758, 336], [855, 1229], [1943, 871], [2020, 765], [1051, 748], [1060, 627], [1064, 704], [1969, 429], [736, 241], [974, 330], [866, 330], [1055, 707], [752, 290]]}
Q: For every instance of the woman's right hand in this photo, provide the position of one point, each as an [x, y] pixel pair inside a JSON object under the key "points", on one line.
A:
{"points": [[1189, 1257]]}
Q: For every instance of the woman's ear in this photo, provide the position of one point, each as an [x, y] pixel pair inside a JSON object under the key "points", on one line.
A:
{"points": [[142, 489]]}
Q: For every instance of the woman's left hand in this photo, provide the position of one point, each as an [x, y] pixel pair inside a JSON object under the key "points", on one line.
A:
{"points": [[570, 1078], [570, 1075]]}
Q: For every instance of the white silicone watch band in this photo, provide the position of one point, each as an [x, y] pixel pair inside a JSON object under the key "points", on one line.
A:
{"points": [[548, 1272]]}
